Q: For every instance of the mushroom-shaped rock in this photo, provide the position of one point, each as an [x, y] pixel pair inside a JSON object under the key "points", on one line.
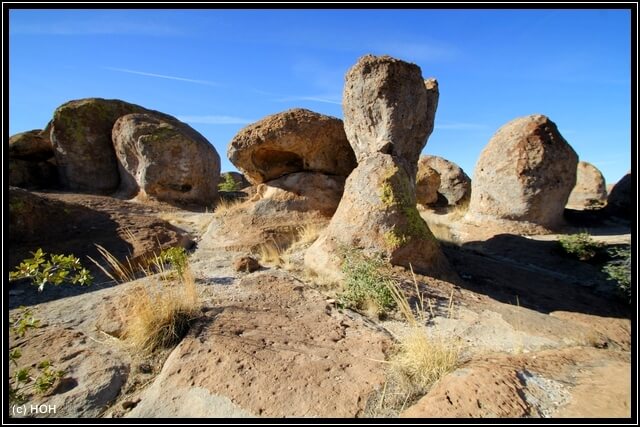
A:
{"points": [[389, 108], [81, 137], [525, 174], [455, 185], [590, 189], [165, 159], [296, 140]]}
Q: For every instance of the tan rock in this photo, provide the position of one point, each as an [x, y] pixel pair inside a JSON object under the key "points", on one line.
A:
{"points": [[427, 184], [388, 108], [165, 160], [524, 175], [33, 145], [296, 140], [246, 264], [455, 185], [590, 187], [619, 200]]}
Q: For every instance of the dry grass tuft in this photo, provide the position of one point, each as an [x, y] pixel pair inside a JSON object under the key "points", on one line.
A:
{"points": [[308, 234], [121, 272], [160, 317], [225, 206]]}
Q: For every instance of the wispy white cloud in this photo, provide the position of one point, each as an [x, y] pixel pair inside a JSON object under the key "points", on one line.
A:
{"points": [[95, 27], [325, 99], [460, 126], [216, 120], [162, 76]]}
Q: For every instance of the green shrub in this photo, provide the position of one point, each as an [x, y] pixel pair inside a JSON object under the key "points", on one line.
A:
{"points": [[619, 269], [366, 283], [176, 257], [56, 269], [580, 245], [229, 184]]}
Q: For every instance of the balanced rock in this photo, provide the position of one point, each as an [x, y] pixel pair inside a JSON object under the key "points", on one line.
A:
{"points": [[427, 184], [389, 114], [296, 140], [389, 109], [81, 137], [33, 145], [164, 159], [619, 200], [524, 175], [455, 185], [590, 189]]}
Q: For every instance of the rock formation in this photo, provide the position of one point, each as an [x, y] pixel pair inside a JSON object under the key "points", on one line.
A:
{"points": [[590, 189], [296, 140], [31, 162], [389, 112], [427, 184], [454, 186], [523, 176], [33, 145], [619, 200], [165, 160]]}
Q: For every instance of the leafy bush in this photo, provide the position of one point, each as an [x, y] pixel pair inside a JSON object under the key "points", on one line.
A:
{"points": [[366, 284], [580, 245], [55, 270], [176, 257], [619, 269], [229, 184]]}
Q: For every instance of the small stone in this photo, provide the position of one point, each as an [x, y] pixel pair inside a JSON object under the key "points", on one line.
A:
{"points": [[145, 368], [130, 404], [246, 264]]}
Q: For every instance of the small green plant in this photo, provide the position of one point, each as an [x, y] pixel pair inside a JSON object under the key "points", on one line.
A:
{"points": [[366, 284], [56, 269], [580, 245], [23, 321], [229, 184], [176, 257], [619, 269]]}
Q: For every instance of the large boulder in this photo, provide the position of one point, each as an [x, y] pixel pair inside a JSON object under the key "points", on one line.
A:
{"points": [[32, 175], [524, 175], [296, 140], [389, 109], [619, 200], [455, 185], [164, 159], [590, 189], [81, 137], [389, 112], [33, 145], [427, 184]]}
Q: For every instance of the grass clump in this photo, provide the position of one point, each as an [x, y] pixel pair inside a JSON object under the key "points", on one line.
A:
{"points": [[619, 270], [580, 246], [55, 269], [366, 284]]}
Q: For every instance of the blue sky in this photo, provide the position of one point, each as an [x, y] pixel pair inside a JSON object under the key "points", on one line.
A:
{"points": [[220, 70]]}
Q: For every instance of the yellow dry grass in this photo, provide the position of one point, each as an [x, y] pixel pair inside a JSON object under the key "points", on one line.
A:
{"points": [[227, 206]]}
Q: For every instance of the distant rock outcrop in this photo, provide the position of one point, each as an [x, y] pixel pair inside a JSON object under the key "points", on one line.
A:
{"points": [[239, 179], [454, 185], [33, 145], [31, 162], [296, 140], [590, 189], [619, 200], [165, 160], [427, 184], [389, 113], [524, 175]]}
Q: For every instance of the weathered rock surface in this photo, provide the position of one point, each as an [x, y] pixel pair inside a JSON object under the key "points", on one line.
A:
{"points": [[570, 382], [455, 185], [296, 140], [280, 351], [388, 108], [590, 187], [33, 145], [619, 200], [164, 160], [427, 184], [389, 113], [81, 137], [377, 214], [31, 174], [525, 174]]}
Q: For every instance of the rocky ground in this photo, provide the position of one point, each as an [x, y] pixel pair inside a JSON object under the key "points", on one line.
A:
{"points": [[540, 334]]}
